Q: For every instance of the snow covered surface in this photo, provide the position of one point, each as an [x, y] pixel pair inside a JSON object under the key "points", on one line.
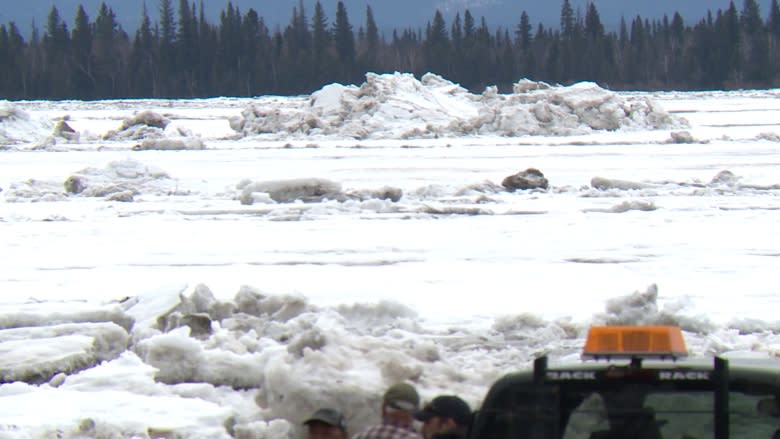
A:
{"points": [[228, 285]]}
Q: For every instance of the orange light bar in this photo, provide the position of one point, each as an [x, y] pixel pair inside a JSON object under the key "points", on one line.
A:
{"points": [[634, 341]]}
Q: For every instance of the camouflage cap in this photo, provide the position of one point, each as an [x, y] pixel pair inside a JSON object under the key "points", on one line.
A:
{"points": [[402, 396], [328, 416]]}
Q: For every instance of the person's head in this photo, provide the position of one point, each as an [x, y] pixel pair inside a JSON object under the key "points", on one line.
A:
{"points": [[399, 403], [445, 414], [326, 423]]}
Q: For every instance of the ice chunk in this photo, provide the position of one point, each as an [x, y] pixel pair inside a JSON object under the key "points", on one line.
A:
{"points": [[36, 354], [180, 358], [18, 127], [604, 184], [17, 315], [287, 191], [110, 338], [168, 144], [38, 360], [145, 124]]}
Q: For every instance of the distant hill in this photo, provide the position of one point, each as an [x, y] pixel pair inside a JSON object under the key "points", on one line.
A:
{"points": [[389, 14]]}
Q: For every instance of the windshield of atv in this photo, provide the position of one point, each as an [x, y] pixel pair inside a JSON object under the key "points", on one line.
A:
{"points": [[636, 411]]}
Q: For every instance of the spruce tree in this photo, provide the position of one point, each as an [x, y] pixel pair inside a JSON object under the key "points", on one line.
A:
{"points": [[523, 32], [142, 63], [109, 67], [344, 41], [321, 42], [755, 47], [437, 46], [773, 21], [372, 33], [167, 53], [83, 80], [567, 20], [56, 42], [343, 36]]}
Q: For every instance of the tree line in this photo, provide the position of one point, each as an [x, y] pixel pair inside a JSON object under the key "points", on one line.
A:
{"points": [[185, 55]]}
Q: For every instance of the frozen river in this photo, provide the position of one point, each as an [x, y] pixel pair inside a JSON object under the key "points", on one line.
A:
{"points": [[456, 253]]}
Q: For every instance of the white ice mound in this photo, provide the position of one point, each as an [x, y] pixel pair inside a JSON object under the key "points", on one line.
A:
{"points": [[121, 180], [400, 106], [145, 124], [171, 144], [309, 190], [17, 126]]}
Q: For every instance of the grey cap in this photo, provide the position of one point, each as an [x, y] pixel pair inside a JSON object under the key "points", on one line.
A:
{"points": [[328, 416], [402, 396]]}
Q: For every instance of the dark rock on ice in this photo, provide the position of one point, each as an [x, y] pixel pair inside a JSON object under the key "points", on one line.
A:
{"points": [[681, 137], [531, 178], [725, 177], [65, 131], [199, 323], [75, 184]]}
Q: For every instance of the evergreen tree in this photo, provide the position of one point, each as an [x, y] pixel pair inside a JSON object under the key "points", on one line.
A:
{"points": [[15, 80], [597, 52], [83, 80], [773, 22], [142, 61], [469, 31], [469, 58], [593, 27], [343, 36], [109, 66], [6, 80], [321, 41], [456, 34], [755, 49], [773, 43], [437, 45], [187, 53], [344, 40], [56, 42], [523, 32], [167, 52], [370, 54], [728, 31], [567, 19], [251, 43]]}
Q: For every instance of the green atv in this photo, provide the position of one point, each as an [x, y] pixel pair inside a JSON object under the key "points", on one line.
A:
{"points": [[639, 387]]}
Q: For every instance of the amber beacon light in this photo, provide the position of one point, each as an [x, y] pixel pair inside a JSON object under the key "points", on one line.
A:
{"points": [[634, 342]]}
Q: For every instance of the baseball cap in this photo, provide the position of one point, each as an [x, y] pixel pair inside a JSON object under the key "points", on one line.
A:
{"points": [[446, 406], [402, 396], [328, 416]]}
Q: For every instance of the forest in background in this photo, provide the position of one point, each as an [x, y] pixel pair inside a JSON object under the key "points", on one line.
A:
{"points": [[183, 55]]}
